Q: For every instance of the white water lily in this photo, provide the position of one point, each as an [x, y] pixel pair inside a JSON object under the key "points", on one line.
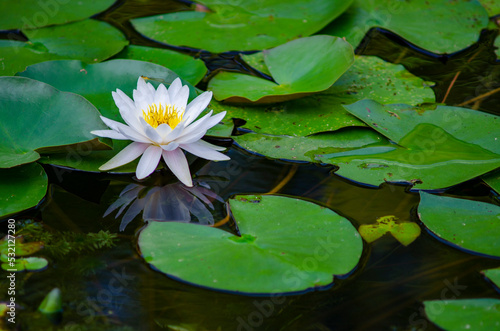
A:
{"points": [[160, 124]]}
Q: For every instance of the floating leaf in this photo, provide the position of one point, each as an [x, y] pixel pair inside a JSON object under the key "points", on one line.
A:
{"points": [[465, 314], [464, 21], [369, 77], [52, 303], [404, 232], [27, 14], [88, 40], [491, 6], [17, 55], [26, 264], [493, 275], [468, 224], [21, 188], [190, 69], [244, 25], [96, 82], [299, 67], [312, 147], [37, 117], [493, 180], [266, 258], [21, 248]]}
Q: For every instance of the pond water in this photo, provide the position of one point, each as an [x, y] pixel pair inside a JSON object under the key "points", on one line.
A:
{"points": [[113, 288]]}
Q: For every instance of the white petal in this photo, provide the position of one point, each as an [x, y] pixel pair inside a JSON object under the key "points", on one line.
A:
{"points": [[141, 103], [134, 135], [163, 130], [203, 151], [145, 90], [150, 132], [109, 134], [151, 92], [170, 147], [212, 146], [172, 135], [195, 107], [161, 96], [128, 114], [174, 89], [199, 128], [149, 161], [126, 99], [126, 155], [122, 104], [181, 98], [177, 163]]}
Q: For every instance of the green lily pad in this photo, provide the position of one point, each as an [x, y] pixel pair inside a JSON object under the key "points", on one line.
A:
{"points": [[491, 6], [465, 314], [26, 264], [299, 67], [21, 188], [95, 82], [404, 232], [422, 160], [17, 55], [52, 303], [266, 258], [28, 14], [368, 77], [468, 224], [464, 21], [312, 147], [88, 40], [36, 117], [242, 25], [493, 180], [493, 275], [190, 69]]}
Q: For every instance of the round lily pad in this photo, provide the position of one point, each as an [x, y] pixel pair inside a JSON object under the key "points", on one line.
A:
{"points": [[464, 21], [27, 264], [465, 314], [219, 26], [299, 67], [368, 77], [190, 69], [36, 117], [21, 188], [472, 225], [29, 14], [95, 82], [87, 40], [267, 257]]}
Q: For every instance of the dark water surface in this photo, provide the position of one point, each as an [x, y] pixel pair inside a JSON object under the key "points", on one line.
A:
{"points": [[115, 289]]}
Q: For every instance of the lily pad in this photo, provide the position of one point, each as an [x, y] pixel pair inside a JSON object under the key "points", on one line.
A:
{"points": [[464, 21], [313, 147], [471, 225], [493, 180], [28, 14], [299, 67], [404, 232], [493, 275], [21, 188], [37, 117], [368, 77], [243, 25], [88, 40], [17, 55], [491, 6], [266, 258], [21, 248], [428, 152], [95, 82], [26, 264], [465, 314], [190, 69]]}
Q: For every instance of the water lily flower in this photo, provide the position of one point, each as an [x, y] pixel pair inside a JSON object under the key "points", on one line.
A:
{"points": [[161, 124]]}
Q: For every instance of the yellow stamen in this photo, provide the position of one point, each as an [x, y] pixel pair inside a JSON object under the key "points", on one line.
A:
{"points": [[156, 116]]}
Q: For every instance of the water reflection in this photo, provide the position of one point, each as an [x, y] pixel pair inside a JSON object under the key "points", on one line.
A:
{"points": [[172, 202]]}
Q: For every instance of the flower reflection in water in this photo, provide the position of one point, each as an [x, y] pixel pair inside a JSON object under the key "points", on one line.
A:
{"points": [[172, 202]]}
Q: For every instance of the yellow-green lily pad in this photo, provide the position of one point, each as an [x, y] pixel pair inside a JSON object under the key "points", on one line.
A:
{"points": [[26, 264], [402, 231]]}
